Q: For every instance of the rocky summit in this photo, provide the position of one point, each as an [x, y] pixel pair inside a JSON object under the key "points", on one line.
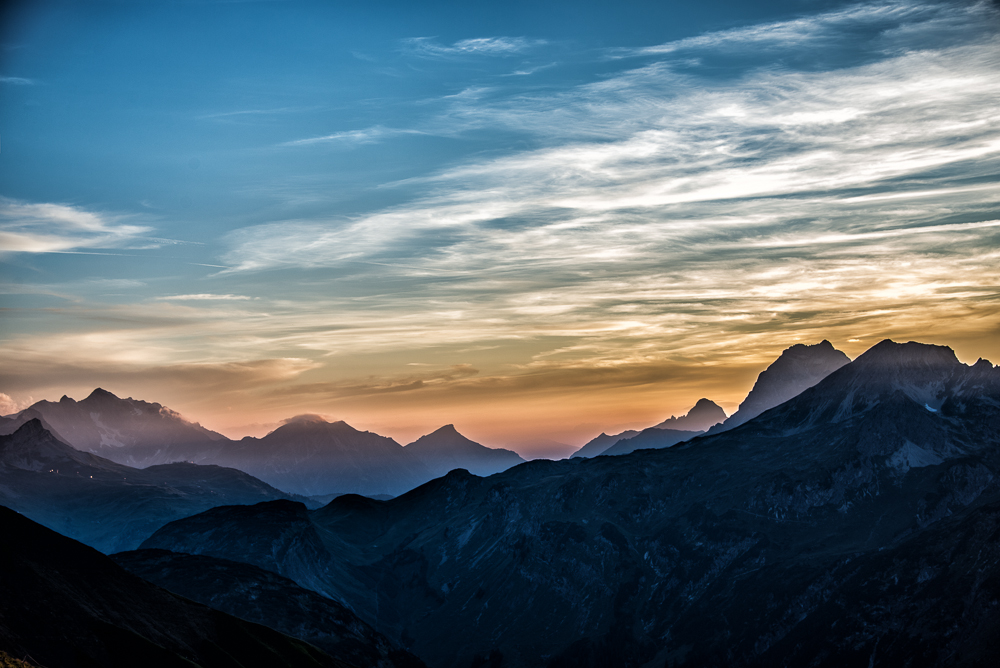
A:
{"points": [[854, 524]]}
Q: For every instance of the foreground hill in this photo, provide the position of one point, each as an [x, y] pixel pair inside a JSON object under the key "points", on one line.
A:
{"points": [[65, 604], [856, 523], [110, 506], [261, 596]]}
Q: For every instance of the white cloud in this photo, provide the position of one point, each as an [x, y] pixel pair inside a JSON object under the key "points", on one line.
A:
{"points": [[205, 297], [9, 406], [17, 81], [668, 207], [27, 227], [479, 46], [355, 137]]}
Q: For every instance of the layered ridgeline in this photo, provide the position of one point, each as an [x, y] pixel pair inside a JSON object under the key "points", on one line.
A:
{"points": [[796, 369], [857, 522], [307, 455], [64, 604], [445, 450], [127, 431], [106, 505], [670, 432]]}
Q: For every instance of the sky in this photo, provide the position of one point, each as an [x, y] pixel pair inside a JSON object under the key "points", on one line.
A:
{"points": [[537, 221]]}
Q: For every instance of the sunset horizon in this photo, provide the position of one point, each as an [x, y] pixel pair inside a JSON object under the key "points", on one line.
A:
{"points": [[538, 224]]}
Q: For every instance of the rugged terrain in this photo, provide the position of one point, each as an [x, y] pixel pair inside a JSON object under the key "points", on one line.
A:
{"points": [[65, 604], [306, 455], [261, 596], [856, 522], [110, 506]]}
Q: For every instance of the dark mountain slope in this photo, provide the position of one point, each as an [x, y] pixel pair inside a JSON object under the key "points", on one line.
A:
{"points": [[65, 604], [796, 369], [106, 505], [261, 596], [725, 550], [446, 449]]}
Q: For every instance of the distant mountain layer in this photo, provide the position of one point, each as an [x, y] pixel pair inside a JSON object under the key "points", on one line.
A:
{"points": [[445, 450], [797, 369], [103, 424], [110, 506], [650, 439], [704, 415], [601, 443], [857, 523], [65, 604], [306, 456], [263, 597]]}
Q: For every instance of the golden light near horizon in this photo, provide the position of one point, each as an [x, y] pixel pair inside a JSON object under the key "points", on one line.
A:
{"points": [[598, 254]]}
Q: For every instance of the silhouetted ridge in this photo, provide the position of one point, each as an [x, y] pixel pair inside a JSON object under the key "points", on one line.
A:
{"points": [[910, 355], [796, 369], [702, 416], [100, 394], [445, 449], [65, 604]]}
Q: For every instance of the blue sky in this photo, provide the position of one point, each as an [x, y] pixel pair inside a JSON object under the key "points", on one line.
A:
{"points": [[407, 214]]}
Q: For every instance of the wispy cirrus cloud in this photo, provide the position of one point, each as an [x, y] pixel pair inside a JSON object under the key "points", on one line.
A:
{"points": [[29, 227], [369, 135], [667, 206], [479, 46], [201, 297], [18, 81]]}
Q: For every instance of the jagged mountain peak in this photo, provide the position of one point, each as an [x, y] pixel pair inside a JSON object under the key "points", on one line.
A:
{"points": [[32, 447], [798, 368], [445, 449], [701, 417], [444, 437], [106, 424], [101, 393], [910, 354]]}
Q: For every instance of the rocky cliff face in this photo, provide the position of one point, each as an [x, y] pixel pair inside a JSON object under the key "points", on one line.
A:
{"points": [[797, 369], [866, 499]]}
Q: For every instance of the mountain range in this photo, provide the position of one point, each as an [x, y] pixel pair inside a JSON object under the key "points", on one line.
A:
{"points": [[701, 417], [110, 506], [307, 455], [855, 523]]}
